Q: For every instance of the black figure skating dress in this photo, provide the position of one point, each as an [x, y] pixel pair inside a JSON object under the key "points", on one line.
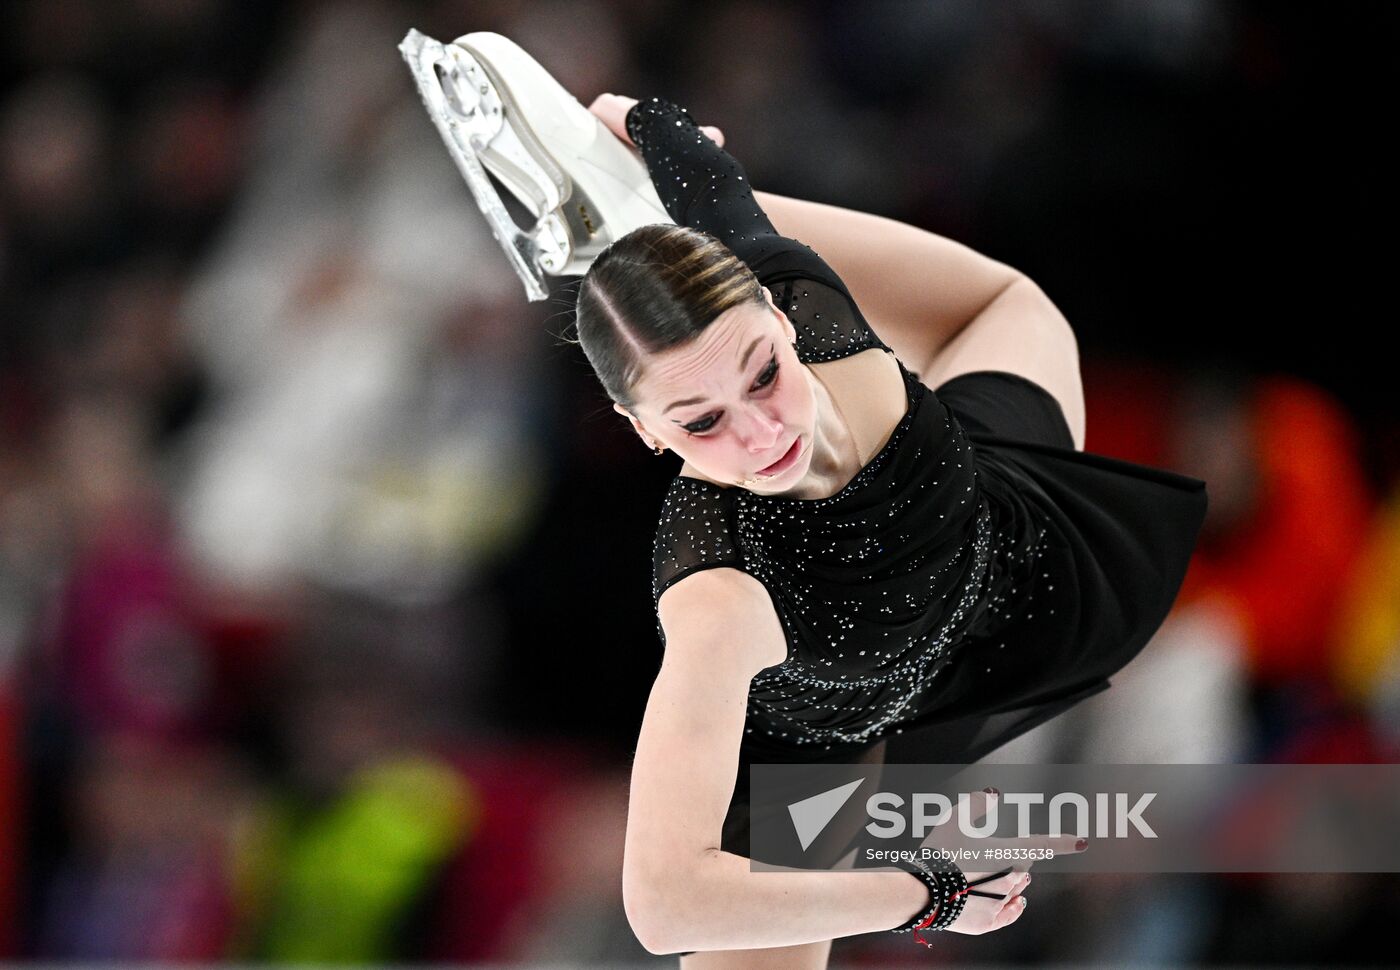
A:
{"points": [[977, 577]]}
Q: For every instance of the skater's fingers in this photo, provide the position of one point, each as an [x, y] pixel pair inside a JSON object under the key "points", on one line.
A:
{"points": [[607, 98], [611, 110], [982, 915], [715, 134], [1009, 913], [1065, 844], [1002, 887]]}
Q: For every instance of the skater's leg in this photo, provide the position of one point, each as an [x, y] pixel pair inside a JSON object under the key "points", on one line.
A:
{"points": [[916, 289], [943, 308], [1021, 333]]}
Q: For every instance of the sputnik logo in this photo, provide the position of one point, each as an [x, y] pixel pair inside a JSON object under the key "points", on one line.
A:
{"points": [[811, 815]]}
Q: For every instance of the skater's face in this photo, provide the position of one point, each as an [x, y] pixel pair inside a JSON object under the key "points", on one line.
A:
{"points": [[732, 402]]}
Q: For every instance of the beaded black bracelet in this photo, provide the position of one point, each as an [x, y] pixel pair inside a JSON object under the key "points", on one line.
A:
{"points": [[954, 890], [935, 894], [947, 894]]}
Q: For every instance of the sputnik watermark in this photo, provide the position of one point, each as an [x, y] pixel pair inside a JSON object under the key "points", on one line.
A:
{"points": [[1139, 818], [933, 809]]}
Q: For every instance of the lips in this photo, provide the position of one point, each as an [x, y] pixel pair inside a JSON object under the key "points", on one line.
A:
{"points": [[777, 466]]}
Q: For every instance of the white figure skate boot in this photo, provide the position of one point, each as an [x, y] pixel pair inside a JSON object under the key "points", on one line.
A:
{"points": [[497, 108]]}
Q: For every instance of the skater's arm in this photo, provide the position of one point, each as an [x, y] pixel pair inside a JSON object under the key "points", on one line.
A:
{"points": [[681, 892]]}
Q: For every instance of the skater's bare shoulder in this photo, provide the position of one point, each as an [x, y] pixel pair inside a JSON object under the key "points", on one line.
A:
{"points": [[722, 615]]}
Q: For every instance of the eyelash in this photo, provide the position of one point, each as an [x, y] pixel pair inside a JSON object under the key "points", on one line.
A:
{"points": [[768, 378]]}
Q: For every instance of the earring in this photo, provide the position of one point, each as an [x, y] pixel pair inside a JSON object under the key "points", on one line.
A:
{"points": [[655, 450]]}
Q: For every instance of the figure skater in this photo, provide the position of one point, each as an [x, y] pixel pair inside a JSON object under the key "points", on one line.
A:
{"points": [[884, 539]]}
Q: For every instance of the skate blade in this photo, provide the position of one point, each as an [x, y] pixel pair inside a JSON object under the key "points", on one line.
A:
{"points": [[467, 109], [574, 170]]}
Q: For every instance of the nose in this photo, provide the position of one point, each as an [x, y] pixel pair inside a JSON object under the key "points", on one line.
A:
{"points": [[763, 434]]}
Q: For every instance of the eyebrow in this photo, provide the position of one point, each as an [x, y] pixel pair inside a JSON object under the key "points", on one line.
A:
{"points": [[743, 365]]}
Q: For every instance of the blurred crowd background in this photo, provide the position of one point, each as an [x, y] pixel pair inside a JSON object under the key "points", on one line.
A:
{"points": [[325, 611]]}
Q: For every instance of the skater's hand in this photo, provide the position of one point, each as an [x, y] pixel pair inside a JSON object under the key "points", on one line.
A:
{"points": [[982, 914], [612, 109]]}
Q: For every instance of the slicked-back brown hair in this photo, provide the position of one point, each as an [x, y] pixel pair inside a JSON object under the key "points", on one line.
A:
{"points": [[655, 288]]}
